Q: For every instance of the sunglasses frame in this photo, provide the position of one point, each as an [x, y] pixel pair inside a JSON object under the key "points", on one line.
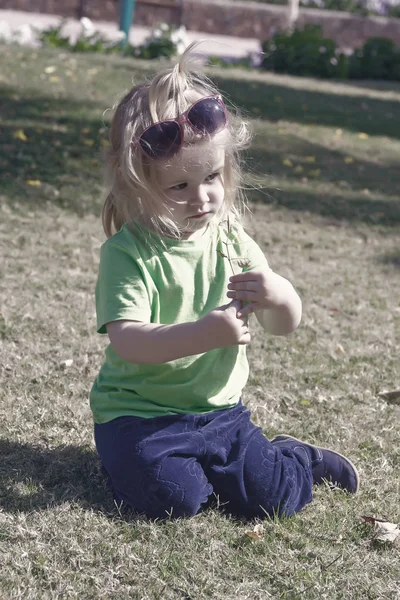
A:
{"points": [[181, 120]]}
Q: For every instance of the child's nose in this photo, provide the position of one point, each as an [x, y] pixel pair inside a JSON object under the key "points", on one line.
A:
{"points": [[199, 195]]}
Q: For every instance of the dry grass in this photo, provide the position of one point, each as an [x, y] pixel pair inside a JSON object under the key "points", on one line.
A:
{"points": [[60, 534]]}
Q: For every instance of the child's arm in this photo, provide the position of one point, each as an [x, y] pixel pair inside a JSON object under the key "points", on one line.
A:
{"points": [[152, 343], [272, 297]]}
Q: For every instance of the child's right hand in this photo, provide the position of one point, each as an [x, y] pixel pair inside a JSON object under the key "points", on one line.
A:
{"points": [[224, 328]]}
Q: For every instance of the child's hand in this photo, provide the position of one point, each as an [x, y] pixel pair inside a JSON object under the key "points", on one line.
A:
{"points": [[259, 289], [224, 328]]}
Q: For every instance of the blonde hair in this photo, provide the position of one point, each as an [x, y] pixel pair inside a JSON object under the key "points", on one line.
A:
{"points": [[133, 192]]}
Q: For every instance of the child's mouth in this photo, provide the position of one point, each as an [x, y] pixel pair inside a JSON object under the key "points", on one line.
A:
{"points": [[199, 216]]}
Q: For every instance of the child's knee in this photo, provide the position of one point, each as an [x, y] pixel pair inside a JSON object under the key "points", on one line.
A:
{"points": [[166, 490], [160, 501]]}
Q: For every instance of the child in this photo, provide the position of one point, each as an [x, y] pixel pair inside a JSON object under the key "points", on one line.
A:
{"points": [[170, 426]]}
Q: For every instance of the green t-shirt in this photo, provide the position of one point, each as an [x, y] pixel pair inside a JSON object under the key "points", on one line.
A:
{"points": [[141, 280]]}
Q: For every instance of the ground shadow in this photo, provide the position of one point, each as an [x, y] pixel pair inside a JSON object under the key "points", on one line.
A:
{"points": [[358, 209], [363, 192], [391, 259], [360, 175], [34, 478], [56, 144], [50, 151], [275, 102], [380, 85]]}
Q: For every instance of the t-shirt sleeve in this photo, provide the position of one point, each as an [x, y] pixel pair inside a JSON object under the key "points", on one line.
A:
{"points": [[121, 292]]}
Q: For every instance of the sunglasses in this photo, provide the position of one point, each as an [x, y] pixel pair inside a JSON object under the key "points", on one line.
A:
{"points": [[164, 139]]}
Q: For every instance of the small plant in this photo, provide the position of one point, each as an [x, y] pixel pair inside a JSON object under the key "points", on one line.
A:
{"points": [[89, 40], [241, 261], [53, 36], [164, 41]]}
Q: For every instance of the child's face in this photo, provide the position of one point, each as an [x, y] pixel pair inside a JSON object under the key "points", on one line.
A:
{"points": [[193, 185]]}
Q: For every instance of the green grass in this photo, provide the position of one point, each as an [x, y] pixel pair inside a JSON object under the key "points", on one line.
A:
{"points": [[332, 227]]}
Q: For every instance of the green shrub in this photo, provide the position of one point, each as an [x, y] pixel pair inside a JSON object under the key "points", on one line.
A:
{"points": [[53, 37], [303, 52], [163, 42], [94, 42], [379, 58], [156, 48]]}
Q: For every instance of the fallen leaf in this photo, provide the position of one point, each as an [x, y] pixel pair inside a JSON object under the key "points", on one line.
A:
{"points": [[363, 136], [66, 363], [20, 135], [392, 397], [340, 348], [88, 142], [314, 173], [298, 169], [50, 69], [348, 160], [287, 162], [33, 182], [384, 530], [257, 532], [54, 79], [309, 159]]}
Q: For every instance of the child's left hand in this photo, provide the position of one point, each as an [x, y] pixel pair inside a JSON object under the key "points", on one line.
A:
{"points": [[260, 289]]}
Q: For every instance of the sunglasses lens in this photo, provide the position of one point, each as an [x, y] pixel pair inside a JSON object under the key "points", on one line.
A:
{"points": [[161, 140], [207, 116]]}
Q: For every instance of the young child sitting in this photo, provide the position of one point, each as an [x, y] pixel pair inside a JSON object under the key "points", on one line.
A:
{"points": [[176, 285]]}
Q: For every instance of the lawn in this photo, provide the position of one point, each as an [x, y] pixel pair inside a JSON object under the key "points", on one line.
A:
{"points": [[325, 166]]}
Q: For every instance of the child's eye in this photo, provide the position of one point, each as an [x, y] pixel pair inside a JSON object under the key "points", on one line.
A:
{"points": [[212, 177], [179, 186]]}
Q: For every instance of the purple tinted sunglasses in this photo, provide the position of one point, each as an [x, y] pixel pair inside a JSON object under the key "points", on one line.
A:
{"points": [[164, 139]]}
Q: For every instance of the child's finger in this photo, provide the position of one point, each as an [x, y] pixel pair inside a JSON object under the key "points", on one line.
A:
{"points": [[234, 304], [244, 276], [248, 296], [249, 308], [250, 286]]}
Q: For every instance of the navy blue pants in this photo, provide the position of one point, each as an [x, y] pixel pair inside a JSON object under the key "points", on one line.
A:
{"points": [[171, 465]]}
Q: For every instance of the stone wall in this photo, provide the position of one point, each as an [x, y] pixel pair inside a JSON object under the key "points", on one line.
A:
{"points": [[221, 17]]}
